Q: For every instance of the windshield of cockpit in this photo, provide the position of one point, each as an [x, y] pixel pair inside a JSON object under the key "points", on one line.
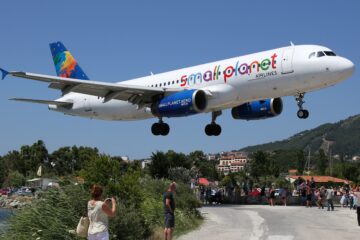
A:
{"points": [[321, 54]]}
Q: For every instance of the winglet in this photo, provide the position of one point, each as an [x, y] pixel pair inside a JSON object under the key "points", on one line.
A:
{"points": [[4, 73]]}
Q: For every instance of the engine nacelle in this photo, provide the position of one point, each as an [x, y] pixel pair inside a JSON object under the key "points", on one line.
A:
{"points": [[180, 104], [258, 109]]}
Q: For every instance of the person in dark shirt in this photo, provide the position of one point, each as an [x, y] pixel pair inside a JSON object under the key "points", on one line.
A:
{"points": [[169, 210]]}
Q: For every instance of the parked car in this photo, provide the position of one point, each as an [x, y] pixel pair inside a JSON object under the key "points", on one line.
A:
{"points": [[277, 192], [4, 191], [24, 191]]}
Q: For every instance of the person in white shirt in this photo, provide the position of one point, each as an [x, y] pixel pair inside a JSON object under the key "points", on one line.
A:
{"points": [[98, 213], [357, 202], [329, 198]]}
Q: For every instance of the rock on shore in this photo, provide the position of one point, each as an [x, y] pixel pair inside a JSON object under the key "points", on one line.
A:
{"points": [[15, 201]]}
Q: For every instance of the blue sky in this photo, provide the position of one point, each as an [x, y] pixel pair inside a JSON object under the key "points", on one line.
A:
{"points": [[120, 40]]}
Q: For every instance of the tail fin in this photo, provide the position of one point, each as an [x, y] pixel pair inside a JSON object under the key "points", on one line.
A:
{"points": [[65, 64]]}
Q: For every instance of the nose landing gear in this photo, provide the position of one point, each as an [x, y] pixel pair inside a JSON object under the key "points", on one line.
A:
{"points": [[160, 128], [213, 129], [302, 113]]}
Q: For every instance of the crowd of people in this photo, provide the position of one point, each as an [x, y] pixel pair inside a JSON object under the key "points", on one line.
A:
{"points": [[321, 196], [309, 193], [209, 195]]}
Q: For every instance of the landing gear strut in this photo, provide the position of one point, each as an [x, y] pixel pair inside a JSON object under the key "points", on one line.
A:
{"points": [[160, 128], [302, 113], [213, 129]]}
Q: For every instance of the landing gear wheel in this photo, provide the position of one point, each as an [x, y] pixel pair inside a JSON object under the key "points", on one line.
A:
{"points": [[208, 130], [156, 129], [306, 114], [303, 113], [165, 129], [160, 128], [217, 130], [213, 129]]}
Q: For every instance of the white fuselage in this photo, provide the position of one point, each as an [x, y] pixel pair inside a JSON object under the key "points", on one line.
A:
{"points": [[279, 72]]}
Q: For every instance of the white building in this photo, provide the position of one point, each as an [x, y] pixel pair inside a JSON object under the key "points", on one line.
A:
{"points": [[232, 162], [145, 162], [42, 183]]}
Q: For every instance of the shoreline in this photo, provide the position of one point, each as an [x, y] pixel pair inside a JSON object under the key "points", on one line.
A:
{"points": [[15, 202]]}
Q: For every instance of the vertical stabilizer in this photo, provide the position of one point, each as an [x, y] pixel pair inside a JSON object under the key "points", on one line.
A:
{"points": [[65, 64]]}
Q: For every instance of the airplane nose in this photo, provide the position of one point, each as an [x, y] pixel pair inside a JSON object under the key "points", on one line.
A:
{"points": [[347, 67]]}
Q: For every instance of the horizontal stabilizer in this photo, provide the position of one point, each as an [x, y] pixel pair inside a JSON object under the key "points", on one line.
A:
{"points": [[48, 102], [4, 73]]}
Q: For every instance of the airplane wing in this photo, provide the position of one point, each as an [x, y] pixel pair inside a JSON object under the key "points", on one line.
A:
{"points": [[47, 102], [140, 95]]}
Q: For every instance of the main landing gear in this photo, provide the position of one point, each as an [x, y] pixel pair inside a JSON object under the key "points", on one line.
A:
{"points": [[302, 113], [213, 129], [160, 128]]}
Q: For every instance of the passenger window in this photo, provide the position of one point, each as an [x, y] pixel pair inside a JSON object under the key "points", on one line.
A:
{"points": [[329, 53], [168, 83], [312, 55], [173, 82], [177, 81], [320, 54], [160, 84]]}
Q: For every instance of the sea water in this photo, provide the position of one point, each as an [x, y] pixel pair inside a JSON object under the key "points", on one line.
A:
{"points": [[4, 217]]}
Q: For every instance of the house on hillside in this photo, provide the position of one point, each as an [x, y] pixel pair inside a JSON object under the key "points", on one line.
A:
{"points": [[232, 162]]}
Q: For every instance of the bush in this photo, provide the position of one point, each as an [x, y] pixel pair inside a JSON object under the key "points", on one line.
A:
{"points": [[139, 213], [50, 217]]}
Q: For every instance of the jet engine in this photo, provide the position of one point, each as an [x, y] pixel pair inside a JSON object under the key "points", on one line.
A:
{"points": [[180, 104], [258, 109]]}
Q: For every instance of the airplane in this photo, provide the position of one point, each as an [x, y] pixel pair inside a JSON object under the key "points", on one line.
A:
{"points": [[250, 85]]}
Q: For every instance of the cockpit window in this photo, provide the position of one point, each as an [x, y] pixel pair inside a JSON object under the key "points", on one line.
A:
{"points": [[312, 55], [320, 54], [329, 53]]}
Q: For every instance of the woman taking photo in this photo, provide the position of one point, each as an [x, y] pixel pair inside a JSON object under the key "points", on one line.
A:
{"points": [[98, 213]]}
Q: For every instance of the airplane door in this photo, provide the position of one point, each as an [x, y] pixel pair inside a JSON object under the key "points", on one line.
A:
{"points": [[87, 107], [287, 60]]}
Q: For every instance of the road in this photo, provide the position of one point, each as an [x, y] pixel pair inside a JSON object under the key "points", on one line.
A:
{"points": [[275, 223]]}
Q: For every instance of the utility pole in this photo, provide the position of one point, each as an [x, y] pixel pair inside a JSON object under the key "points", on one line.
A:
{"points": [[309, 157], [307, 164], [330, 162]]}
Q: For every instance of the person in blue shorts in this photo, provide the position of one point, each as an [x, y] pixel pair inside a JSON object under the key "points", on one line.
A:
{"points": [[169, 210]]}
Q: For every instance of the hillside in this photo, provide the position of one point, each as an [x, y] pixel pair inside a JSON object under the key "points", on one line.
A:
{"points": [[342, 137]]}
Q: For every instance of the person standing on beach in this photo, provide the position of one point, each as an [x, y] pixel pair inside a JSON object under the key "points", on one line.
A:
{"points": [[169, 209], [329, 198], [357, 203], [98, 213], [271, 196]]}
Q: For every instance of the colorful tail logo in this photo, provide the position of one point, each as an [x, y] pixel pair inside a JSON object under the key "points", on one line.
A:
{"points": [[65, 64]]}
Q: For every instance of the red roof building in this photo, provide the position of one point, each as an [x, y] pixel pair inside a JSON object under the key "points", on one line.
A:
{"points": [[321, 179]]}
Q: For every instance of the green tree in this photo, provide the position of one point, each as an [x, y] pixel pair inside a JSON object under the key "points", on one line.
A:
{"points": [[162, 162], [259, 165], [33, 156], [14, 179], [273, 167], [2, 171], [300, 161], [81, 155], [62, 161], [204, 167], [101, 170], [321, 162], [13, 161], [181, 174], [159, 165]]}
